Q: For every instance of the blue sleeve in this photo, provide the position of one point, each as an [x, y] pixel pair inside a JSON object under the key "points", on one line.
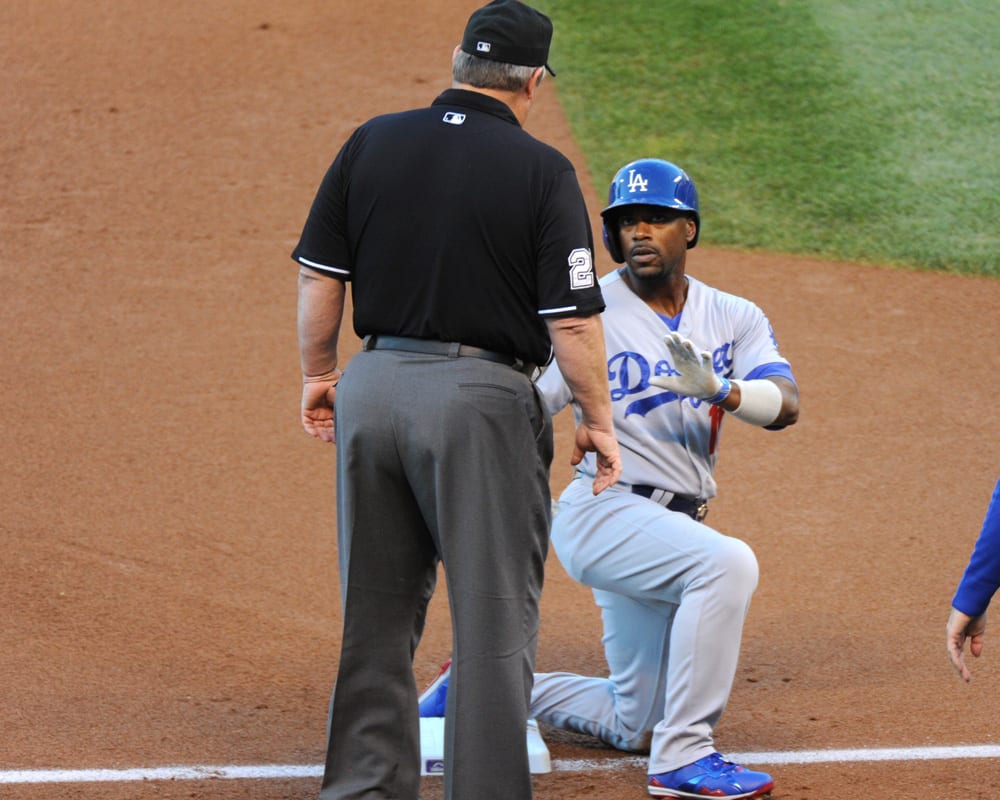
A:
{"points": [[982, 576], [776, 369]]}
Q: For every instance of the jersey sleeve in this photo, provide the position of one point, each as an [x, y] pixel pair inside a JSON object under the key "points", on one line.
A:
{"points": [[756, 353], [567, 281], [776, 369], [982, 575], [323, 245]]}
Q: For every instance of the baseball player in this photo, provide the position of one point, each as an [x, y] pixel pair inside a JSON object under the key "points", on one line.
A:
{"points": [[674, 592]]}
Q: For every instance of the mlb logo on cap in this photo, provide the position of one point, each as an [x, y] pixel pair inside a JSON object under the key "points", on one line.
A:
{"points": [[510, 32]]}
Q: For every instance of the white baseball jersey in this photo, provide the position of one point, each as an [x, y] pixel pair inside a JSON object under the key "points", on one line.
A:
{"points": [[667, 441]]}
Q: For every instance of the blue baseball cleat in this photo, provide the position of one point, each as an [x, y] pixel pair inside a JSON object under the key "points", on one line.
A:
{"points": [[432, 701], [711, 776]]}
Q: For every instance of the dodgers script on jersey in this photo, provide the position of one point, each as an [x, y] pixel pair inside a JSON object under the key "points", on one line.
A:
{"points": [[668, 441]]}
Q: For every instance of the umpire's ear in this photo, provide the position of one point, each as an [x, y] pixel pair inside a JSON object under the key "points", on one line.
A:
{"points": [[534, 82]]}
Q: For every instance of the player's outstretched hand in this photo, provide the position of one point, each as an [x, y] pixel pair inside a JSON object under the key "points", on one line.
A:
{"points": [[697, 378], [961, 627], [317, 408], [605, 446]]}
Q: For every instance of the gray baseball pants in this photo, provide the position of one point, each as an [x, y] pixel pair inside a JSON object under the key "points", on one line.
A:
{"points": [[437, 458]]}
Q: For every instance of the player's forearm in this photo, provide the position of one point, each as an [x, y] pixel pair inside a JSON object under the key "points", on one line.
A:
{"points": [[578, 343], [320, 311], [784, 402]]}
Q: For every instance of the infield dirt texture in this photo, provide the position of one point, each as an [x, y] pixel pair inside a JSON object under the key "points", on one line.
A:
{"points": [[168, 581]]}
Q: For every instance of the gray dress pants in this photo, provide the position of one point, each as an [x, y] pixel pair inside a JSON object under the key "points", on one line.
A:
{"points": [[437, 458]]}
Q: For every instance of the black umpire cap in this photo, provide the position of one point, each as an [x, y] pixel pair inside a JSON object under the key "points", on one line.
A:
{"points": [[509, 31]]}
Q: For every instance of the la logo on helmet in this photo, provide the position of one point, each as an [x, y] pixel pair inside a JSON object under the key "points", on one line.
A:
{"points": [[636, 182]]}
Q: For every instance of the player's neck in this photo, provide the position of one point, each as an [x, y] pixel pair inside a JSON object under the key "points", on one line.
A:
{"points": [[665, 295]]}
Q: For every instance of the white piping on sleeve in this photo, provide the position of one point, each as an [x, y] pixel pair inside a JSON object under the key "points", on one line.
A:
{"points": [[543, 311], [324, 267]]}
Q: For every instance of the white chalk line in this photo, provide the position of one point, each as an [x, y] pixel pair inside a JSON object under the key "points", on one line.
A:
{"points": [[765, 759], [291, 771]]}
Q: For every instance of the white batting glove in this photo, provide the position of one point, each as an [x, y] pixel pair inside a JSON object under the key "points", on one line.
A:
{"points": [[697, 378]]}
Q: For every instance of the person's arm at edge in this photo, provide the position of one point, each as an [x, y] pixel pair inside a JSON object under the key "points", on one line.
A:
{"points": [[961, 626], [578, 343], [967, 619], [320, 311]]}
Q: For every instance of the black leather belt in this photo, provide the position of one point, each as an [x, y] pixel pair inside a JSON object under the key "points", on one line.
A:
{"points": [[450, 349], [694, 507]]}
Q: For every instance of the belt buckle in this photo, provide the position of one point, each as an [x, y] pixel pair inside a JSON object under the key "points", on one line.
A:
{"points": [[701, 511]]}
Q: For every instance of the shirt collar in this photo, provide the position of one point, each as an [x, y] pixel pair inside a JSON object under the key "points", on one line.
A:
{"points": [[476, 101]]}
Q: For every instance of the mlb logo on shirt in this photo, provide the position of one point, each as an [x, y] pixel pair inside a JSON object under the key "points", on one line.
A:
{"points": [[453, 118], [483, 47]]}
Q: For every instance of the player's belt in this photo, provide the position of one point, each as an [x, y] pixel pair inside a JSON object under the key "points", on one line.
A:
{"points": [[450, 349], [694, 507]]}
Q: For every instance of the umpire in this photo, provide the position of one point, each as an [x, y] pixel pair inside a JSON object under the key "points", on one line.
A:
{"points": [[469, 250]]}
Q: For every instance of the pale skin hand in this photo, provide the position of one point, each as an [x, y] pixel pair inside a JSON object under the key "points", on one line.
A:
{"points": [[320, 311], [317, 408], [961, 627], [609, 467]]}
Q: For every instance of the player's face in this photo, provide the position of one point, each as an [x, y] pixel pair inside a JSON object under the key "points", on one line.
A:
{"points": [[654, 240]]}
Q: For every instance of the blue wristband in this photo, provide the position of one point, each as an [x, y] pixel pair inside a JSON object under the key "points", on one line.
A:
{"points": [[722, 394]]}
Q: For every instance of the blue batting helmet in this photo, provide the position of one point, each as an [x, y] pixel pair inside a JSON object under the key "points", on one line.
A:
{"points": [[648, 182]]}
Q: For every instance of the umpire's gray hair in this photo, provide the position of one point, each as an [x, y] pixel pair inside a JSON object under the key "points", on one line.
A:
{"points": [[485, 74]]}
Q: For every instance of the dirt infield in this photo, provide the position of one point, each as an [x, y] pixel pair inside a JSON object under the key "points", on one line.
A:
{"points": [[168, 583]]}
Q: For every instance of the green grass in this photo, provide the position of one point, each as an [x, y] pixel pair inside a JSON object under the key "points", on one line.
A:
{"points": [[864, 130]]}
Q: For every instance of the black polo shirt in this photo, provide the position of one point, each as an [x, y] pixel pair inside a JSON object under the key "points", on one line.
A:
{"points": [[453, 223]]}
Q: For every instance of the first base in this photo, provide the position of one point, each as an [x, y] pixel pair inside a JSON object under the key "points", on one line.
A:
{"points": [[432, 747]]}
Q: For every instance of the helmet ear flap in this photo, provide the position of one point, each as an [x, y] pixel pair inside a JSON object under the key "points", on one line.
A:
{"points": [[612, 241]]}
